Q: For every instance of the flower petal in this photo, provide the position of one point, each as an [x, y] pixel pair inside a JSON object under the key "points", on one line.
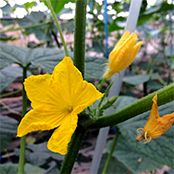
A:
{"points": [[37, 88], [62, 135], [85, 95], [43, 117], [121, 41], [123, 54], [67, 78], [152, 120]]}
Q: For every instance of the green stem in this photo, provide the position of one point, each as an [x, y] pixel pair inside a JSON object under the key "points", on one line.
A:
{"points": [[101, 84], [110, 153], [142, 105], [73, 149], [106, 92], [25, 27], [23, 139], [10, 93], [79, 34], [58, 27]]}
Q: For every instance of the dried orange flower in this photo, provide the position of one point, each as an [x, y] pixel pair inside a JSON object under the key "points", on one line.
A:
{"points": [[156, 125], [123, 54]]}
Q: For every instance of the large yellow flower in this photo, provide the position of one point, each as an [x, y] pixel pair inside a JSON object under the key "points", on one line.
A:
{"points": [[56, 100], [155, 125], [123, 54]]}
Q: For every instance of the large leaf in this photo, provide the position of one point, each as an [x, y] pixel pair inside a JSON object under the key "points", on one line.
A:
{"points": [[139, 79], [133, 159], [47, 59], [38, 154], [8, 75], [115, 166], [29, 169], [8, 127], [8, 168], [94, 67], [160, 150]]}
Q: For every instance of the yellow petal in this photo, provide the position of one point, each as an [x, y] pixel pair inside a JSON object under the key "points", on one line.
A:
{"points": [[121, 56], [62, 135], [152, 120], [37, 88], [122, 40], [66, 78], [84, 96], [43, 117]]}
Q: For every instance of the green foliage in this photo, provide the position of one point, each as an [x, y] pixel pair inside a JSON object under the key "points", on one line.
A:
{"points": [[8, 127], [47, 59], [38, 154], [115, 166], [58, 5], [8, 168], [8, 75]]}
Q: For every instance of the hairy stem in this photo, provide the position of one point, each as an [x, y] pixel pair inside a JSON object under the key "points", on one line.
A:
{"points": [[23, 139]]}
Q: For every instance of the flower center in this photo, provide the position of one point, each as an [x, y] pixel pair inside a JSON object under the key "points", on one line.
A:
{"points": [[70, 108]]}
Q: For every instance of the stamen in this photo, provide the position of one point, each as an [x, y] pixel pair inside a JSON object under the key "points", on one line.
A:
{"points": [[148, 139], [138, 130]]}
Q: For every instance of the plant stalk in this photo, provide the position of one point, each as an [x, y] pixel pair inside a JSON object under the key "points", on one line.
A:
{"points": [[79, 35], [23, 139], [110, 153], [165, 95], [58, 27]]}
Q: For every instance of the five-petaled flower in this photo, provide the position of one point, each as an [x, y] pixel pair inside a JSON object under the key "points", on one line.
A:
{"points": [[123, 54], [155, 125], [56, 100]]}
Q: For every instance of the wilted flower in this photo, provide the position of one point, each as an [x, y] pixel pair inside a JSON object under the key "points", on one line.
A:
{"points": [[123, 54], [155, 125], [56, 100]]}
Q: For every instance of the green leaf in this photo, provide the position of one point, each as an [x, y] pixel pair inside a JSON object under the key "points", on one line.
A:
{"points": [[29, 169], [8, 168], [29, 5], [94, 67], [115, 166], [134, 160], [8, 75], [8, 127], [58, 5], [139, 79], [161, 149], [38, 154], [47, 59]]}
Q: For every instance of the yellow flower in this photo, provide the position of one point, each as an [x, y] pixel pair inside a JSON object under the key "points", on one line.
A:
{"points": [[56, 100], [156, 125], [123, 54]]}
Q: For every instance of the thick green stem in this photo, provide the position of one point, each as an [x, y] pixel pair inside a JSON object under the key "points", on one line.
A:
{"points": [[79, 54], [110, 153], [73, 149], [142, 105], [23, 139], [79, 34], [58, 27]]}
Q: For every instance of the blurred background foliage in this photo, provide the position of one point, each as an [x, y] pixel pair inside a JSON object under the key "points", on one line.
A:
{"points": [[29, 38]]}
